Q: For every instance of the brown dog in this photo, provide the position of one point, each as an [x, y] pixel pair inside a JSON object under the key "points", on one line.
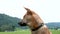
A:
{"points": [[35, 23]]}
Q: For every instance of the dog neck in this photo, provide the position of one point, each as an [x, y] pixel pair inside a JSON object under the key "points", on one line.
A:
{"points": [[38, 27]]}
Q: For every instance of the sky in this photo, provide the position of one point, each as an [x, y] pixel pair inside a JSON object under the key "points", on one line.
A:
{"points": [[48, 10]]}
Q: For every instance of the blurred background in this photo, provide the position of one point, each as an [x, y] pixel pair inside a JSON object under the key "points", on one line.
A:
{"points": [[12, 11]]}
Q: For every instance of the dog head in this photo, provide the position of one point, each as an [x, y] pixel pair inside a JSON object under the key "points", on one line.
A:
{"points": [[31, 19]]}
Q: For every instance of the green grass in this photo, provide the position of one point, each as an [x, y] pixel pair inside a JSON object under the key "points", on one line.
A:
{"points": [[55, 31], [28, 32], [17, 32]]}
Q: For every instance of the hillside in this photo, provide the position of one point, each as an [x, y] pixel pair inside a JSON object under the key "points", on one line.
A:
{"points": [[8, 20], [53, 24]]}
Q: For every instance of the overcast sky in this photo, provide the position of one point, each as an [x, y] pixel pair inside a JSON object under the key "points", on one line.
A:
{"points": [[48, 10]]}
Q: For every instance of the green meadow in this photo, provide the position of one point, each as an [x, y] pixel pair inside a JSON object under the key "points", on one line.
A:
{"points": [[28, 32]]}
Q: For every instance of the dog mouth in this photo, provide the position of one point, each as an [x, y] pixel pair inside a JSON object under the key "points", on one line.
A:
{"points": [[22, 24]]}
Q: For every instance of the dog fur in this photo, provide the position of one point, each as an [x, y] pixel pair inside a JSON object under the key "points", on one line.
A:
{"points": [[32, 20]]}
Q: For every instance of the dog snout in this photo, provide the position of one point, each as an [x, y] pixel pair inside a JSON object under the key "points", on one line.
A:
{"points": [[22, 23]]}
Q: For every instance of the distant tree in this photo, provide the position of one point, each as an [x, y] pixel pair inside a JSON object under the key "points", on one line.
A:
{"points": [[7, 28], [13, 28], [56, 27]]}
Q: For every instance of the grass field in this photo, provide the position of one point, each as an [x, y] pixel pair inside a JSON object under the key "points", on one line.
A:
{"points": [[28, 32]]}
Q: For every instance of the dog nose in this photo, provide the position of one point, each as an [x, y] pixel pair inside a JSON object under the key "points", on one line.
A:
{"points": [[22, 24]]}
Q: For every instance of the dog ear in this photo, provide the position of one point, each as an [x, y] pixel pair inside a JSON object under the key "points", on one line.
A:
{"points": [[29, 12]]}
